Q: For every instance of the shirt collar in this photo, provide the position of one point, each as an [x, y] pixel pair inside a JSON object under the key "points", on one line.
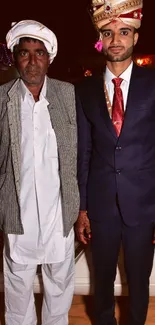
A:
{"points": [[25, 91], [126, 75]]}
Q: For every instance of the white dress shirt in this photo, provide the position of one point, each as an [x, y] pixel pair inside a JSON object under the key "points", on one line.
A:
{"points": [[126, 75], [40, 197]]}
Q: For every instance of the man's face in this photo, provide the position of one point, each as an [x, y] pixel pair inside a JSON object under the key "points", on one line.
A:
{"points": [[32, 62], [118, 41]]}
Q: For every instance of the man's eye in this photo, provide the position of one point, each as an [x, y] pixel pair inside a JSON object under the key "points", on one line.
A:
{"points": [[40, 53], [106, 34], [23, 53], [124, 32]]}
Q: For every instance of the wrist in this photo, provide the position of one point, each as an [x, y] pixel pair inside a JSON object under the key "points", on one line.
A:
{"points": [[83, 212]]}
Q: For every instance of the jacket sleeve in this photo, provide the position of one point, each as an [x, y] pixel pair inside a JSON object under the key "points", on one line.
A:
{"points": [[84, 151]]}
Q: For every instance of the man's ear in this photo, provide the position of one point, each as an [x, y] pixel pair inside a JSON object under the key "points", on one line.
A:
{"points": [[136, 36]]}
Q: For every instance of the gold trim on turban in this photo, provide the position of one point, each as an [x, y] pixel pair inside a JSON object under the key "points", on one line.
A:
{"points": [[104, 11]]}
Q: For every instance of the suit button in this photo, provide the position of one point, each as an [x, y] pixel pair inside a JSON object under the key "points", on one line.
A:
{"points": [[118, 171], [118, 148]]}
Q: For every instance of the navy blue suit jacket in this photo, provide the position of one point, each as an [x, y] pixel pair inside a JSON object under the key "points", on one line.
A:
{"points": [[109, 166]]}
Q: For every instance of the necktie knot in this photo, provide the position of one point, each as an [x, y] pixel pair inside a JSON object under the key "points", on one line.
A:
{"points": [[117, 82]]}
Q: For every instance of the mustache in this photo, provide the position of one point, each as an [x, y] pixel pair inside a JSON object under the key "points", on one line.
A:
{"points": [[115, 47], [32, 69]]}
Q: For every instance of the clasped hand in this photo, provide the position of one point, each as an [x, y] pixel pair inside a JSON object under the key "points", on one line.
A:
{"points": [[82, 227]]}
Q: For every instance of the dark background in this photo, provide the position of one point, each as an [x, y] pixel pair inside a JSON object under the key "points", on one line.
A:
{"points": [[71, 23]]}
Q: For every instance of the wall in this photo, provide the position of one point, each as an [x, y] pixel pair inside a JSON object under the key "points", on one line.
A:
{"points": [[84, 276]]}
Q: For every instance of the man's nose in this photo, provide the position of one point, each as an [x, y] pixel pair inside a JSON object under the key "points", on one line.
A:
{"points": [[115, 38], [32, 59]]}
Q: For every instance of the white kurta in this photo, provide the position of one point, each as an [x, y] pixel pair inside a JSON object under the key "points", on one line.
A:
{"points": [[40, 198]]}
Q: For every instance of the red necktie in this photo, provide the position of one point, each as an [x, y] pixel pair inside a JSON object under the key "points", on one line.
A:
{"points": [[117, 107]]}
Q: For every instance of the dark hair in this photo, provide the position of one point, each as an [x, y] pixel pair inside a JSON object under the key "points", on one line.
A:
{"points": [[135, 30], [24, 39]]}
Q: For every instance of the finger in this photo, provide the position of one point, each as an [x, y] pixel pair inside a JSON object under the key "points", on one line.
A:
{"points": [[88, 229], [79, 231], [82, 238]]}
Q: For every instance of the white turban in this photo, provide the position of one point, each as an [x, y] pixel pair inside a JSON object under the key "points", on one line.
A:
{"points": [[32, 29], [128, 11]]}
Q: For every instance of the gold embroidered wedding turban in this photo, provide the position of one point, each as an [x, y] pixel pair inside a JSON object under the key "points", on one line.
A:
{"points": [[105, 11]]}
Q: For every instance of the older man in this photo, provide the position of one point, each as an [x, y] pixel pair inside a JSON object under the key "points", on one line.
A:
{"points": [[39, 199], [116, 164]]}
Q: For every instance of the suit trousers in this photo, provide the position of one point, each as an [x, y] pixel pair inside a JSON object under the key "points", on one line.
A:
{"points": [[58, 289], [138, 261]]}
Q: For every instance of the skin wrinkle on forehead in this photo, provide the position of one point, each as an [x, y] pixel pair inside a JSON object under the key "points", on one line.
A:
{"points": [[30, 37]]}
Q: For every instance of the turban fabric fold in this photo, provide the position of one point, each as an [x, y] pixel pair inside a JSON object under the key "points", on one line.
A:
{"points": [[32, 29], [128, 11]]}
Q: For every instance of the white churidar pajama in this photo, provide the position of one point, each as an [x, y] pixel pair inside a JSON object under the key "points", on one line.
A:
{"points": [[43, 242]]}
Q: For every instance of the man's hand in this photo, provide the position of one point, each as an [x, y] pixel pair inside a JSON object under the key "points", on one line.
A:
{"points": [[82, 227]]}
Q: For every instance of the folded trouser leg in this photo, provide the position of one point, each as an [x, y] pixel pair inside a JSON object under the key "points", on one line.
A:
{"points": [[18, 290], [58, 282]]}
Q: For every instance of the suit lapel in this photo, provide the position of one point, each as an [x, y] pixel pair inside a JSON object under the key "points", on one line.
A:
{"points": [[135, 95], [14, 118], [103, 109], [136, 88]]}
